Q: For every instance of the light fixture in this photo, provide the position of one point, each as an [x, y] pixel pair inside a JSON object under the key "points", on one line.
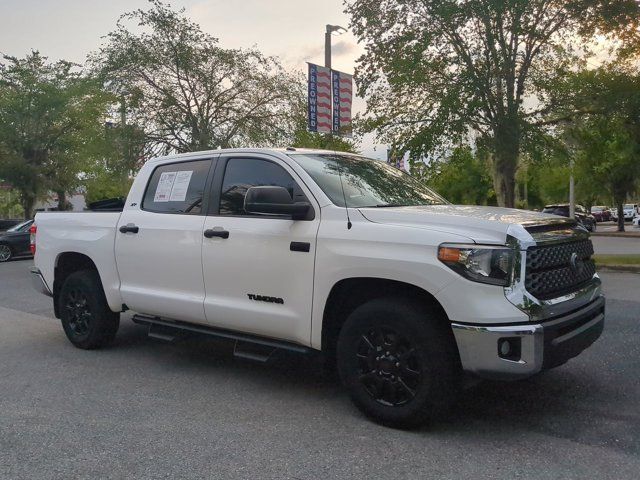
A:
{"points": [[336, 29]]}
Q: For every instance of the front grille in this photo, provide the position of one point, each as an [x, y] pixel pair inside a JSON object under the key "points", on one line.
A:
{"points": [[554, 270]]}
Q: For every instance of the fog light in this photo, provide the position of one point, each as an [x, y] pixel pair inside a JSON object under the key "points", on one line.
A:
{"points": [[510, 348]]}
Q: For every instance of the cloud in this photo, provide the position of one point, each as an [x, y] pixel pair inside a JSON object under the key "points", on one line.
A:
{"points": [[338, 49], [343, 48]]}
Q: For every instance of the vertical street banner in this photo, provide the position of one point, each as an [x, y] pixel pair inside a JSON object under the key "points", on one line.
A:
{"points": [[329, 102], [342, 87], [319, 102]]}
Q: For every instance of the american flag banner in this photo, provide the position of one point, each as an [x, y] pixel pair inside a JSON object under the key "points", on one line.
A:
{"points": [[319, 102], [342, 86]]}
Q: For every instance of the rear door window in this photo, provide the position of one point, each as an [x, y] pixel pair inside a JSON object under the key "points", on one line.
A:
{"points": [[177, 188]]}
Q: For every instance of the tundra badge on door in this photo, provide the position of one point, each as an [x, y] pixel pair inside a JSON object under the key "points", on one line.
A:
{"points": [[264, 298]]}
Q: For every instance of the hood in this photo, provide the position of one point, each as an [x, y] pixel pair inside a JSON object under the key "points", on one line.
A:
{"points": [[480, 224]]}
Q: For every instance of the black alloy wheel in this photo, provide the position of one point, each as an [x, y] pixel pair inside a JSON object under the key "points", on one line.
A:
{"points": [[78, 312], [84, 312], [388, 365], [399, 361]]}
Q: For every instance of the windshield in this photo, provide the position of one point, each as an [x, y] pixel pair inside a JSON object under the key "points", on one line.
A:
{"points": [[366, 182], [628, 206], [20, 226]]}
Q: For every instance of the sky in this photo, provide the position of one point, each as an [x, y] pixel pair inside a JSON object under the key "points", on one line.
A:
{"points": [[290, 29]]}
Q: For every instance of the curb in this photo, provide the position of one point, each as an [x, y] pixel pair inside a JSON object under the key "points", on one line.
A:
{"points": [[618, 268], [617, 234]]}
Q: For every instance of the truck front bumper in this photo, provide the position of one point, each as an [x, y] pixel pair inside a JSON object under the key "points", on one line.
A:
{"points": [[511, 352]]}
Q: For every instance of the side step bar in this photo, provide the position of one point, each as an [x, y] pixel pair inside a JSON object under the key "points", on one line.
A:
{"points": [[245, 346]]}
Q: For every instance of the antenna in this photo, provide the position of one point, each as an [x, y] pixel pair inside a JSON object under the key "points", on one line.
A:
{"points": [[344, 196]]}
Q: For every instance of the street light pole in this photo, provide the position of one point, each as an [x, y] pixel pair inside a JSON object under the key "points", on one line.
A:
{"points": [[331, 30], [572, 197], [327, 48]]}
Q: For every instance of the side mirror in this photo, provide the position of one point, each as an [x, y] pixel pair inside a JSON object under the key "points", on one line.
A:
{"points": [[274, 201]]}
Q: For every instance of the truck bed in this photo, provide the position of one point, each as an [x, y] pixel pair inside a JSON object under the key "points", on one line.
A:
{"points": [[86, 233]]}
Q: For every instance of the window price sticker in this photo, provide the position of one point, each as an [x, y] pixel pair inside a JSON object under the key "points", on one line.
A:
{"points": [[173, 186]]}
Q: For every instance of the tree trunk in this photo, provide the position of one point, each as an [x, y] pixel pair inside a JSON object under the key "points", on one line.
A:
{"points": [[620, 207], [27, 202], [63, 205], [505, 162]]}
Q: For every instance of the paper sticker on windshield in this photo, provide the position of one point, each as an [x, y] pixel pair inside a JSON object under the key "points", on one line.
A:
{"points": [[180, 186], [165, 184]]}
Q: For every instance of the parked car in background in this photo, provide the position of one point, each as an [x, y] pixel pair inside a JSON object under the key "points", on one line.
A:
{"points": [[630, 210], [583, 217], [15, 242], [601, 213], [6, 223]]}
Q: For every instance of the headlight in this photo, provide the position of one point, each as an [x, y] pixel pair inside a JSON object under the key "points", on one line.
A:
{"points": [[480, 263]]}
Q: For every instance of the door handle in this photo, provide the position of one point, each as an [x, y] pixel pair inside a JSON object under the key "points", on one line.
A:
{"points": [[210, 233], [129, 228], [300, 246]]}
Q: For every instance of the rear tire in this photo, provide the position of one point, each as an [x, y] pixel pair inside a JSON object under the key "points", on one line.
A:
{"points": [[6, 253], [86, 317], [399, 361]]}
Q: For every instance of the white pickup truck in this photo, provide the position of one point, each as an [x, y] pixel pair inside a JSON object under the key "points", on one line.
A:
{"points": [[311, 250]]}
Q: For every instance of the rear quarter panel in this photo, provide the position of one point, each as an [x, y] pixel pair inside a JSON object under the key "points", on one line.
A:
{"points": [[89, 233]]}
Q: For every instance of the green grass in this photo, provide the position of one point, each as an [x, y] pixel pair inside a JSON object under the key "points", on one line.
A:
{"points": [[617, 259]]}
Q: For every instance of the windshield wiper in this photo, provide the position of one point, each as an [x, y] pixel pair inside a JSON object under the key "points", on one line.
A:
{"points": [[387, 205]]}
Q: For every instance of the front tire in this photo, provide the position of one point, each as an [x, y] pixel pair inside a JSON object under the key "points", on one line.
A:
{"points": [[399, 361], [86, 317]]}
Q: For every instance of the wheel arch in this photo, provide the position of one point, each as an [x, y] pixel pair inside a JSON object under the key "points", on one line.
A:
{"points": [[349, 293], [67, 263]]}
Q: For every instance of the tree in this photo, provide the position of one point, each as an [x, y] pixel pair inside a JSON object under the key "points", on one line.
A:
{"points": [[186, 92], [605, 144], [48, 113], [9, 204], [462, 178], [436, 72], [118, 152], [609, 152]]}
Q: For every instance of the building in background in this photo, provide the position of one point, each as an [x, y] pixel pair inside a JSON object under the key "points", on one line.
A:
{"points": [[77, 201]]}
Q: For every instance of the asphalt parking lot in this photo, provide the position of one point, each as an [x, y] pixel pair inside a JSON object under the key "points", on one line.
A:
{"points": [[616, 245], [144, 409], [608, 227]]}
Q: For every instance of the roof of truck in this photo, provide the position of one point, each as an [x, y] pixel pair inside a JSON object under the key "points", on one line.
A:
{"points": [[287, 150]]}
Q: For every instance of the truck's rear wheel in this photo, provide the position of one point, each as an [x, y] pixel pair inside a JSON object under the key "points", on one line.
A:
{"points": [[86, 317], [399, 361]]}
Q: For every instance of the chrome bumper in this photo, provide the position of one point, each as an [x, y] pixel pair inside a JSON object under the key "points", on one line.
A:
{"points": [[38, 281], [530, 347]]}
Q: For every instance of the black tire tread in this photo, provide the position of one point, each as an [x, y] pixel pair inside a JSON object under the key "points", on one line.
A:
{"points": [[105, 322], [432, 334]]}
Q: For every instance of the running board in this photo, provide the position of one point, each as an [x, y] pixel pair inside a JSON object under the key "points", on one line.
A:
{"points": [[167, 330], [160, 332], [253, 351]]}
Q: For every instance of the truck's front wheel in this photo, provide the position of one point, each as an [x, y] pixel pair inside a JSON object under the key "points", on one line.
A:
{"points": [[399, 361], [86, 317]]}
